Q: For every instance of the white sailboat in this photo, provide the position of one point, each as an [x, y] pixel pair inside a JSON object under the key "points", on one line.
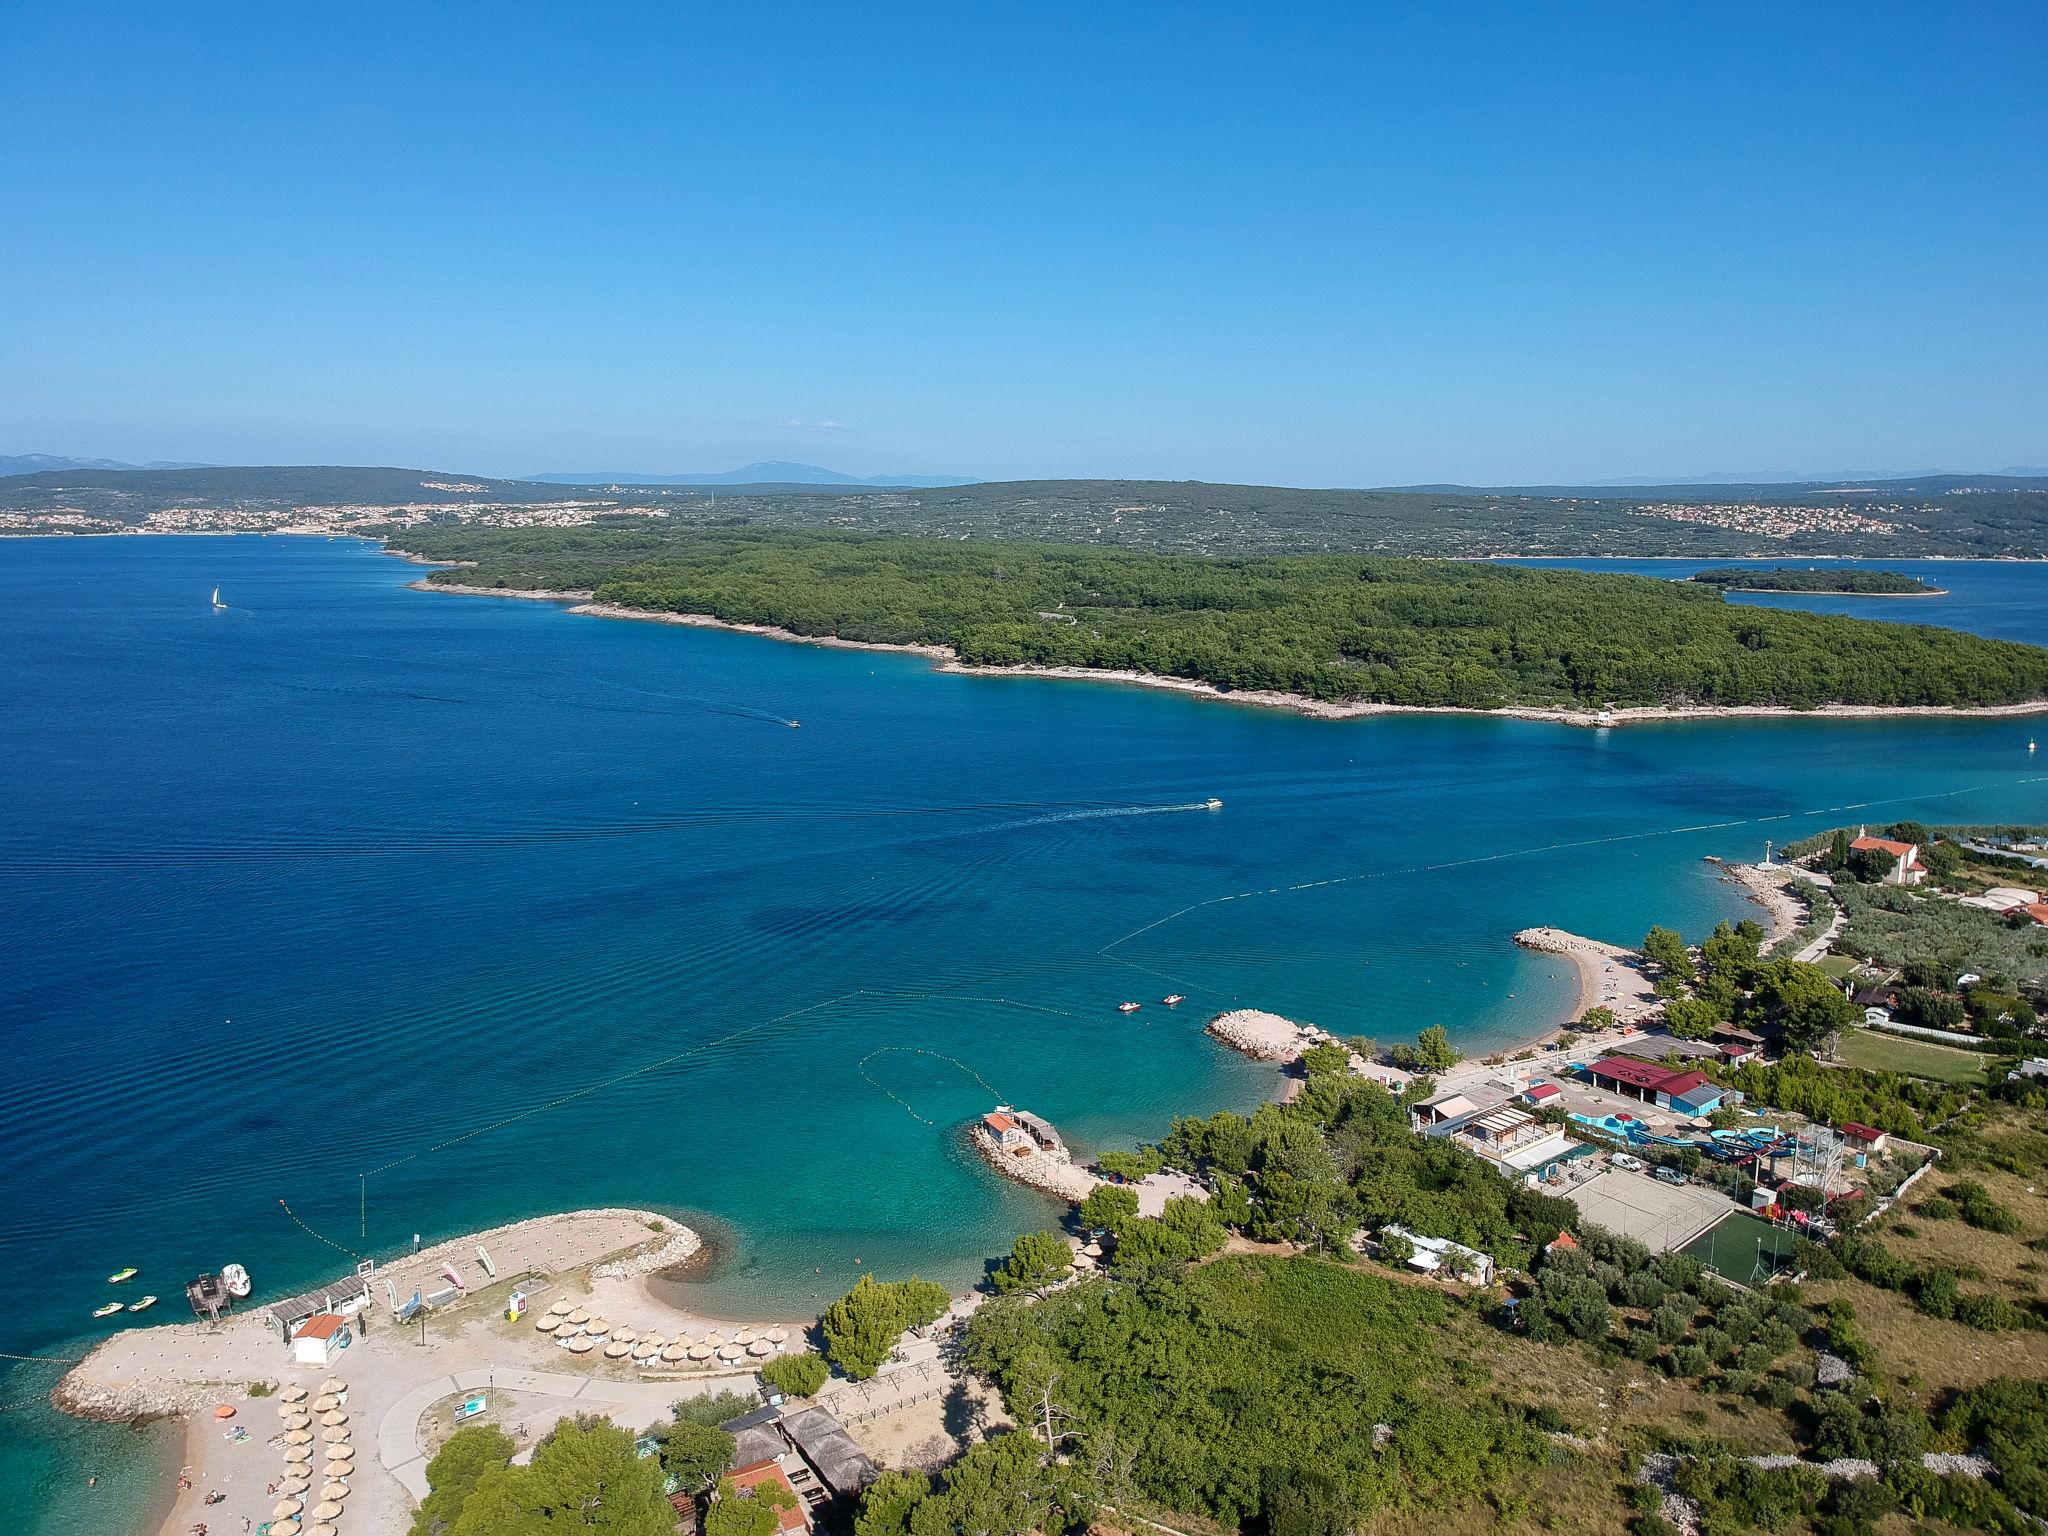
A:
{"points": [[218, 605]]}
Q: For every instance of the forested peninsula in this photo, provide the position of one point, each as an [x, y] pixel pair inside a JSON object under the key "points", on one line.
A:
{"points": [[1336, 629], [1848, 581]]}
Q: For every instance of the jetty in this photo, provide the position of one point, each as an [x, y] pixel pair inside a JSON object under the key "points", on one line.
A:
{"points": [[1020, 1145]]}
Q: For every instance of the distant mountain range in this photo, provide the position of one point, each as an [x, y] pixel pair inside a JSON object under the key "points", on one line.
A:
{"points": [[771, 472], [43, 463]]}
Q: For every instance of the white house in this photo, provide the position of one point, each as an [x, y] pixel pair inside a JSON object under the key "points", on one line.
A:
{"points": [[320, 1339], [1430, 1253], [1905, 857]]}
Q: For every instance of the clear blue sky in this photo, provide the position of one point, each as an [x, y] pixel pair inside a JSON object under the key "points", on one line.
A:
{"points": [[1346, 244]]}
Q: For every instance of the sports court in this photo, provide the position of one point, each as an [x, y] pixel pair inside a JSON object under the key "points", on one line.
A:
{"points": [[1658, 1215]]}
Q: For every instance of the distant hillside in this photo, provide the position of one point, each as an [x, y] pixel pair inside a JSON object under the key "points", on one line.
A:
{"points": [[1978, 517], [772, 472], [42, 463]]}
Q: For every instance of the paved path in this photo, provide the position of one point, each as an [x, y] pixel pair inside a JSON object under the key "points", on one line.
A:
{"points": [[643, 1402]]}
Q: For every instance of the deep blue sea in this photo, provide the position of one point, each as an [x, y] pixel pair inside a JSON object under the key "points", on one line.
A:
{"points": [[423, 912]]}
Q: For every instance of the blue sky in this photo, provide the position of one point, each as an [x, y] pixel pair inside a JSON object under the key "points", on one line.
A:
{"points": [[1348, 244]]}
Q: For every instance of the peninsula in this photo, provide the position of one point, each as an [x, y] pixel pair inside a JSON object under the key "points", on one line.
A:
{"points": [[1333, 634], [1838, 581]]}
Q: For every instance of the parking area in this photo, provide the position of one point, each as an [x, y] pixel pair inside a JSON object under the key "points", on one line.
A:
{"points": [[1658, 1215]]}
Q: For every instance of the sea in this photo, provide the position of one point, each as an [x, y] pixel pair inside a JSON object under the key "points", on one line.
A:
{"points": [[347, 913]]}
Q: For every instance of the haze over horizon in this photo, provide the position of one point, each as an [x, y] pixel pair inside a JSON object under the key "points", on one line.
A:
{"points": [[1325, 248]]}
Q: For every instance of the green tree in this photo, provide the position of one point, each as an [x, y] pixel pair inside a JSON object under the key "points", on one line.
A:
{"points": [[1109, 1207], [1325, 1057], [746, 1512], [1691, 1018], [1667, 950], [862, 1327], [1037, 1261], [1433, 1050], [696, 1454], [886, 1503], [585, 1472], [1804, 1002], [454, 1472], [797, 1375]]}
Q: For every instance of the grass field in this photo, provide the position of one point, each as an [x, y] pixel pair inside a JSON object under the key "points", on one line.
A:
{"points": [[1893, 1053]]}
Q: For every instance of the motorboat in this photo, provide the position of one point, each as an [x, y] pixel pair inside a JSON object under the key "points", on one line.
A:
{"points": [[143, 1305], [1172, 998], [1126, 1007], [108, 1310], [121, 1274], [236, 1280], [1213, 803]]}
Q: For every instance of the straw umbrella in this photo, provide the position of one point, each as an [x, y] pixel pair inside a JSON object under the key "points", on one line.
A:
{"points": [[294, 1393], [297, 1421], [285, 1528], [326, 1402], [285, 1507], [744, 1336], [578, 1316], [617, 1351], [337, 1470], [336, 1489], [333, 1417], [596, 1325], [760, 1347], [549, 1323], [295, 1483], [298, 1453], [327, 1509], [299, 1437], [561, 1304], [715, 1340], [675, 1354], [582, 1344], [335, 1434], [334, 1384], [286, 1410], [324, 1528], [778, 1336]]}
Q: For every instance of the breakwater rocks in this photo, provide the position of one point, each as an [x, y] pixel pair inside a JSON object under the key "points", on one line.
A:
{"points": [[684, 1245], [132, 1402], [1265, 1036]]}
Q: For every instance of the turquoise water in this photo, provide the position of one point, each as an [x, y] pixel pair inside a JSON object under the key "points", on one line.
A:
{"points": [[423, 912]]}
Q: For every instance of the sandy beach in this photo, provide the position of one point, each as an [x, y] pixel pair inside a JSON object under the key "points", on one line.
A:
{"points": [[1322, 709], [1609, 975], [404, 1379]]}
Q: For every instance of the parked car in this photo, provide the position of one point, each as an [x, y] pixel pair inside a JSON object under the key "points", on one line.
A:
{"points": [[1667, 1175], [1623, 1160]]}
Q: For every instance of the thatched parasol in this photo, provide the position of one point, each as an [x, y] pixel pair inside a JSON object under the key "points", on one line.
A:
{"points": [[299, 1437], [298, 1453], [334, 1384], [326, 1402], [700, 1351], [578, 1316], [294, 1393], [327, 1509], [549, 1323], [335, 1489], [285, 1528], [335, 1435], [333, 1417], [676, 1353], [284, 1507], [760, 1347]]}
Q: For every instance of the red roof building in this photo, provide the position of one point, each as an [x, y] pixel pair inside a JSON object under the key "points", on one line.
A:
{"points": [[1541, 1093], [757, 1473], [1627, 1072], [1885, 845], [2039, 913]]}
